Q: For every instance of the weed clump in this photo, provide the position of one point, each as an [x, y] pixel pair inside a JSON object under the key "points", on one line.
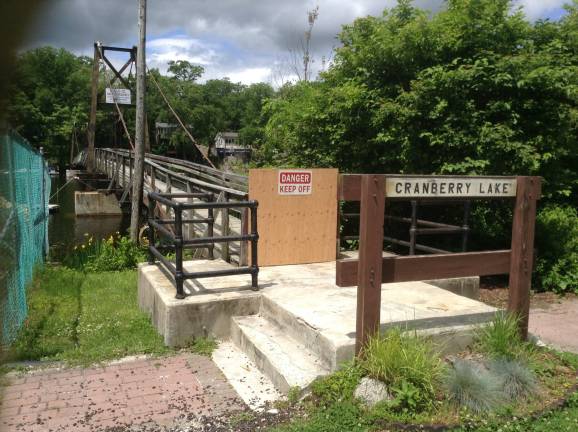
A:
{"points": [[470, 386], [338, 386], [407, 363], [115, 253], [204, 346], [501, 338]]}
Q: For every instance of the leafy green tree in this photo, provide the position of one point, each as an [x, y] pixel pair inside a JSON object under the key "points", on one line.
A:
{"points": [[185, 71], [49, 99]]}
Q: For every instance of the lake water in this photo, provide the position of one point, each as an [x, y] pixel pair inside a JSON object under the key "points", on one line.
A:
{"points": [[65, 230]]}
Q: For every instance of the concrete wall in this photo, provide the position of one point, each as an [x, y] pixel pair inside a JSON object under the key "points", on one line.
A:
{"points": [[96, 204]]}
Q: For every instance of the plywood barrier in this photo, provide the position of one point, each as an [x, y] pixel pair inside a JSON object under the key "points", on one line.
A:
{"points": [[297, 215]]}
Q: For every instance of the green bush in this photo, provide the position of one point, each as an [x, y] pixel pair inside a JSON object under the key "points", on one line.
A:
{"points": [[470, 386], [501, 338], [401, 359], [115, 253], [557, 245]]}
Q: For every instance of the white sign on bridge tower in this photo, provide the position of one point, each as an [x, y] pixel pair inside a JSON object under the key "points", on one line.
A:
{"points": [[121, 96]]}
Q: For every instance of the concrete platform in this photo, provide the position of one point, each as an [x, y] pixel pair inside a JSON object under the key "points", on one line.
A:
{"points": [[300, 325]]}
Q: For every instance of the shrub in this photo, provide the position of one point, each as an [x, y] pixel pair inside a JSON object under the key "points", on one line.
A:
{"points": [[501, 338], [516, 380], [469, 386], [337, 387], [115, 253], [557, 245], [403, 359]]}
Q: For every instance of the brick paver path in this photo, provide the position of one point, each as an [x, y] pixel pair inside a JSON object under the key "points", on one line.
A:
{"points": [[159, 390]]}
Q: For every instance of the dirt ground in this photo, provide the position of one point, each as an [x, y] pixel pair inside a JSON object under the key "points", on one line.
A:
{"points": [[494, 291]]}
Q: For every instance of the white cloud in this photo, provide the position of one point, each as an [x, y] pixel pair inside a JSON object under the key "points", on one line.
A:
{"points": [[535, 9], [250, 75], [162, 50]]}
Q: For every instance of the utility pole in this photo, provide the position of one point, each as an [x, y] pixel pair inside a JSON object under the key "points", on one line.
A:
{"points": [[138, 174], [93, 107]]}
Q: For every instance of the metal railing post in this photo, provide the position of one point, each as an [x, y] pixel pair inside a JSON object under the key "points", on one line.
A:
{"points": [[254, 254], [466, 226], [179, 251], [225, 230], [413, 228], [243, 250], [152, 205], [211, 227]]}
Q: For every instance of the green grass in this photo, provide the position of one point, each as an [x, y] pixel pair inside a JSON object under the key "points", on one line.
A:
{"points": [[83, 318], [561, 420], [501, 338], [399, 358], [204, 346]]}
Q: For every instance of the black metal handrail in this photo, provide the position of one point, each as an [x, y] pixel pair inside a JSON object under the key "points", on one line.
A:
{"points": [[431, 228], [178, 243]]}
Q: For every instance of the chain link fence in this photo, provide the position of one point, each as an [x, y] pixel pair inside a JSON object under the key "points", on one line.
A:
{"points": [[24, 196]]}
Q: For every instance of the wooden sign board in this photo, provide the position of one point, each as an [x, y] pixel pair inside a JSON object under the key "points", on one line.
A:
{"points": [[297, 216], [119, 95], [449, 187]]}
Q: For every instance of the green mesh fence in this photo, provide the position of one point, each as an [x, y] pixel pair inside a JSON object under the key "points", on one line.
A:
{"points": [[24, 195]]}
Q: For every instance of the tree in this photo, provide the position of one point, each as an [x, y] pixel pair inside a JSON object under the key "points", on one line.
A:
{"points": [[49, 99], [185, 71]]}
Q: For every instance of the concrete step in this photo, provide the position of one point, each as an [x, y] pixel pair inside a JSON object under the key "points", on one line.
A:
{"points": [[256, 390], [301, 331], [285, 361]]}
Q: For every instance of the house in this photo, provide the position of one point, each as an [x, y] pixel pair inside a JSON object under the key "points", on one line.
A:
{"points": [[228, 144]]}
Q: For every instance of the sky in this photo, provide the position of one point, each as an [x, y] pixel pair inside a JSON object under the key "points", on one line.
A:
{"points": [[245, 40]]}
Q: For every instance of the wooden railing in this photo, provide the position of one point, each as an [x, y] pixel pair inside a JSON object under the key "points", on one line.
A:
{"points": [[372, 269], [169, 175]]}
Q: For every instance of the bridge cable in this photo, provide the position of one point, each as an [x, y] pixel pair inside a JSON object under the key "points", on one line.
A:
{"points": [[179, 119]]}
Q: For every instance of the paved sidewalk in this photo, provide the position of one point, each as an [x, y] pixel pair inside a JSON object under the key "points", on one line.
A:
{"points": [[557, 324], [157, 390]]}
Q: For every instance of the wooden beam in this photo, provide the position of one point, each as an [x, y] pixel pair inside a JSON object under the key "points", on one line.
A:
{"points": [[118, 75], [528, 192], [427, 267], [370, 256], [93, 108], [349, 188]]}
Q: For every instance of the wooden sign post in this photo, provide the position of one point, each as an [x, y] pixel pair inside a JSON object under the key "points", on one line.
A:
{"points": [[372, 269], [522, 249], [369, 272]]}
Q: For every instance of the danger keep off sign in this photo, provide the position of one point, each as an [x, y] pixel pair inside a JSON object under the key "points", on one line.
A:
{"points": [[295, 182]]}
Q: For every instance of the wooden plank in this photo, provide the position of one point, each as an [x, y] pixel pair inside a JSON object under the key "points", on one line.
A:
{"points": [[349, 187], [370, 257], [295, 229], [528, 192], [427, 267]]}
